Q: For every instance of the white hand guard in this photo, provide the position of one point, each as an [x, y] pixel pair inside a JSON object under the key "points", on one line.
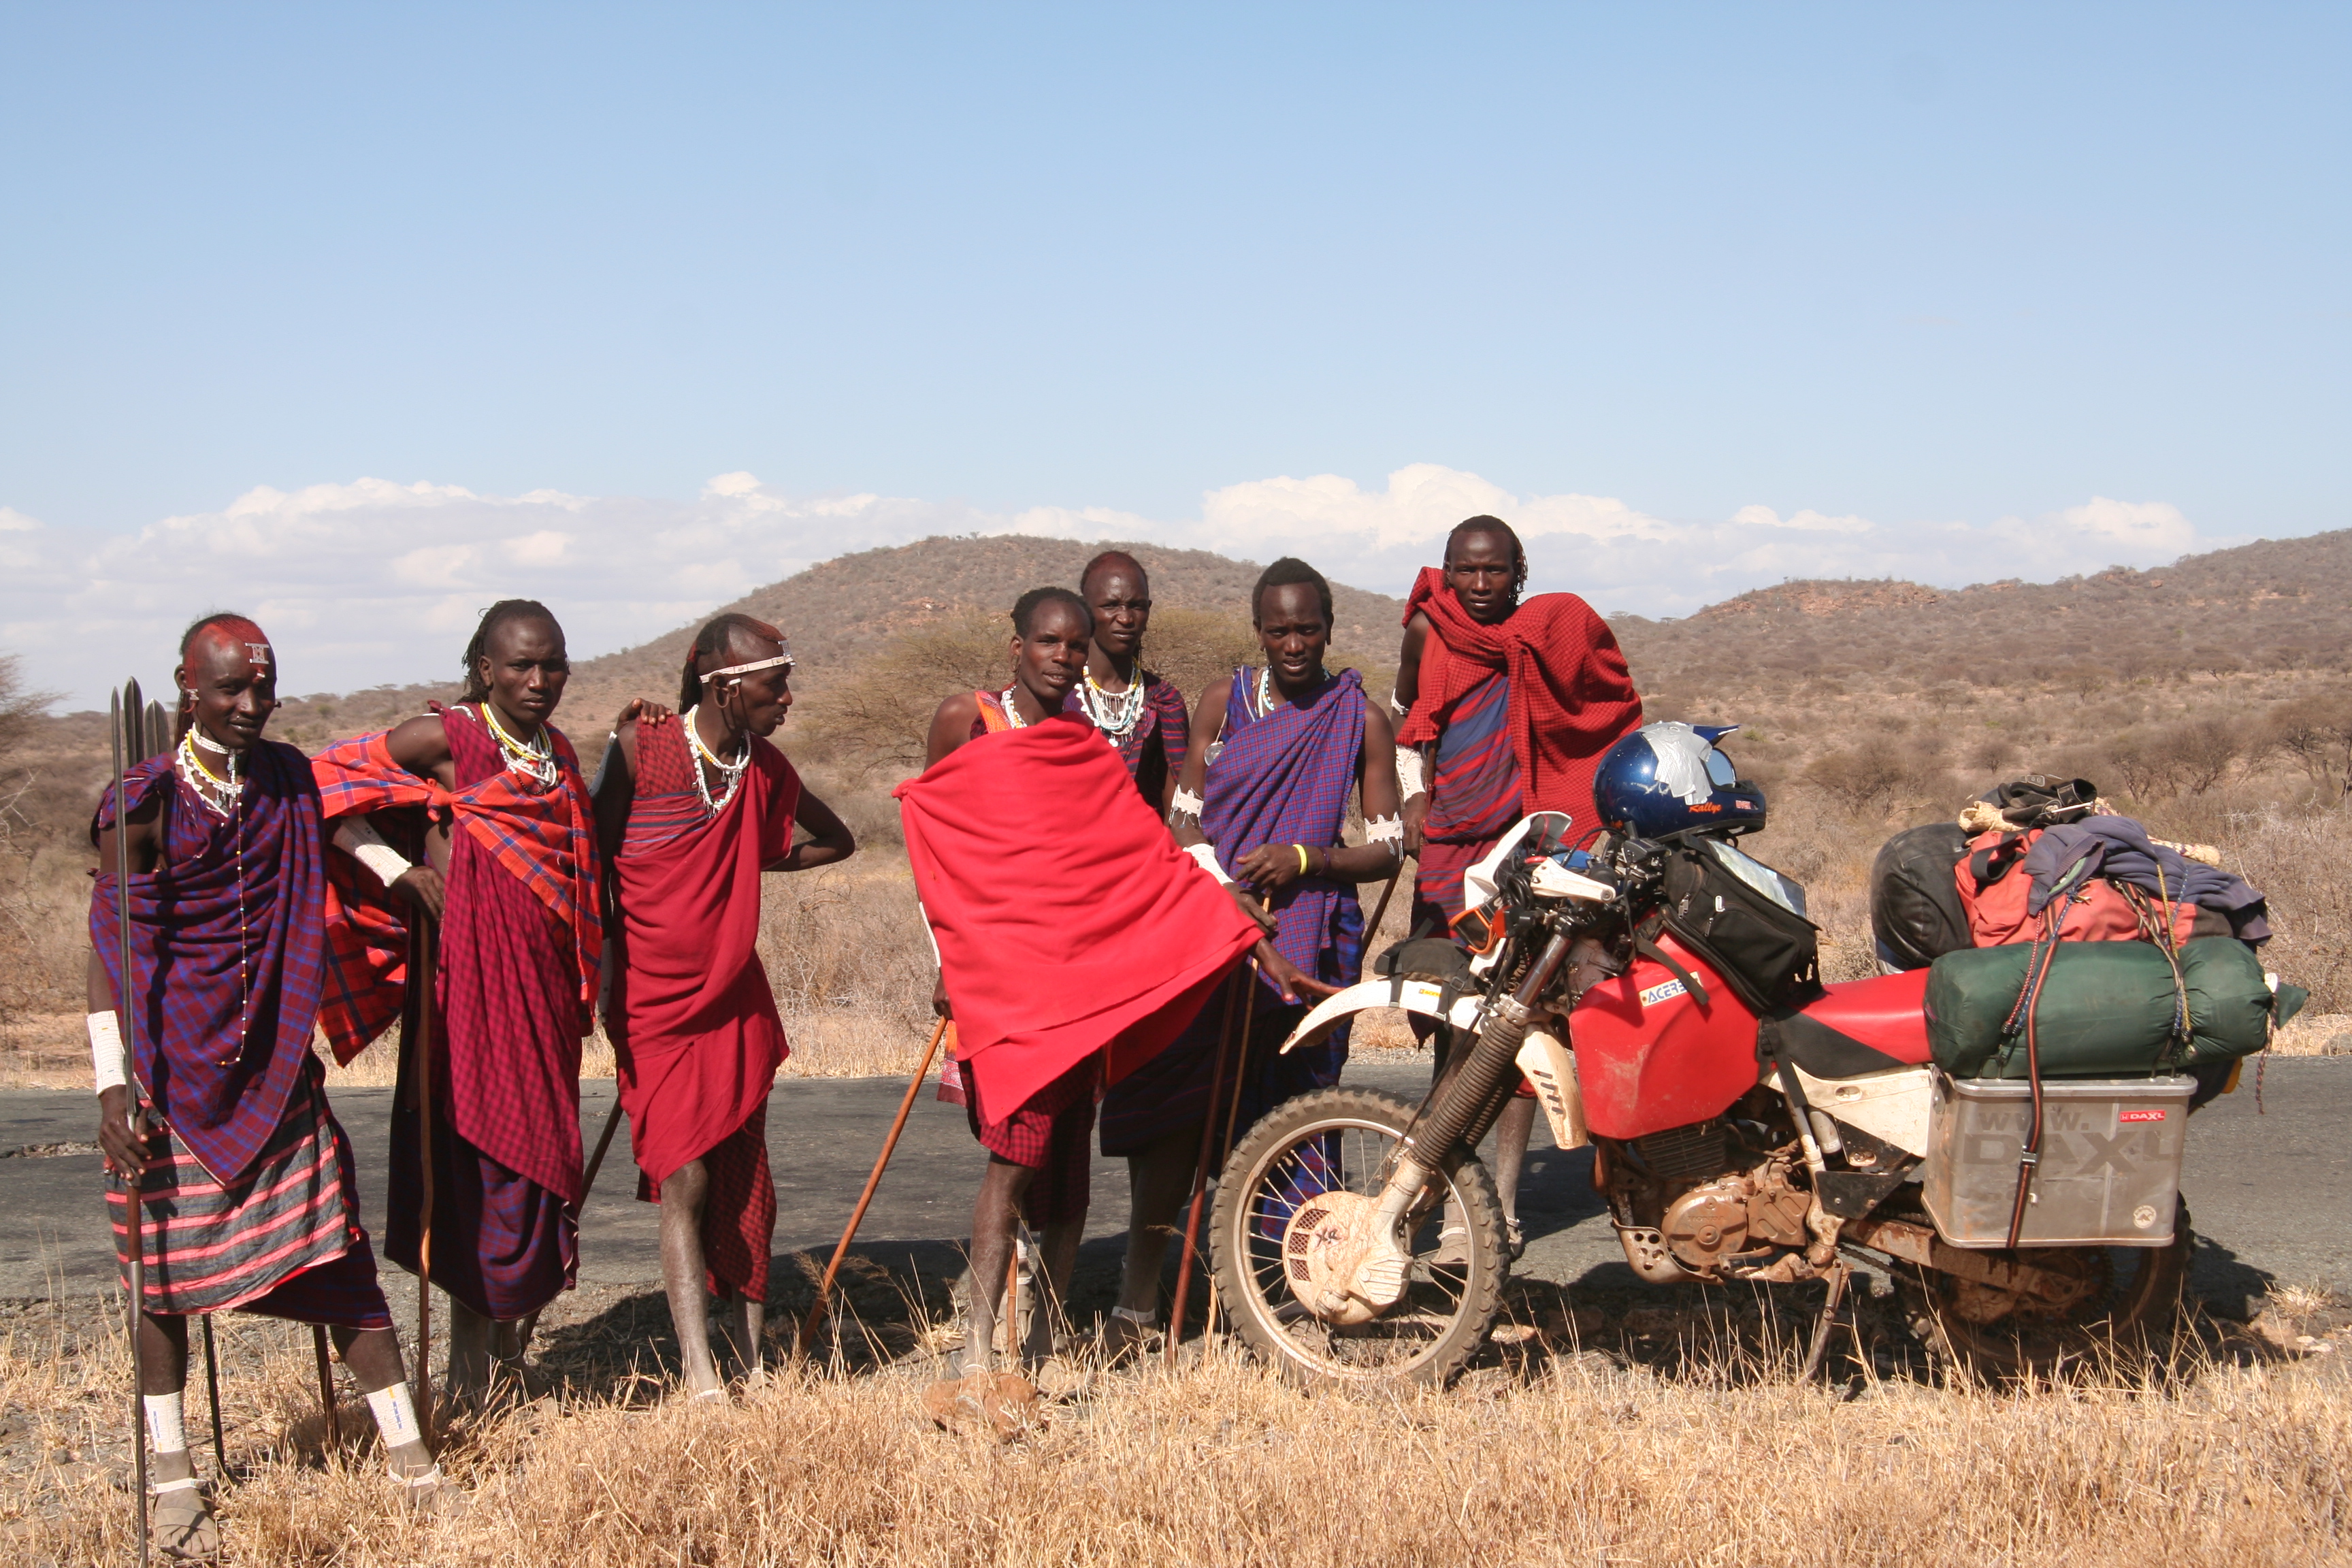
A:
{"points": [[357, 838], [105, 1050], [1409, 780], [1207, 857]]}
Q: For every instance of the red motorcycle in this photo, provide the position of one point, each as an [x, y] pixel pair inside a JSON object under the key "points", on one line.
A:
{"points": [[1734, 1140]]}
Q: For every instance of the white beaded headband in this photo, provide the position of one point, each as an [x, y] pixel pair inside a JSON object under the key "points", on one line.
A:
{"points": [[783, 658]]}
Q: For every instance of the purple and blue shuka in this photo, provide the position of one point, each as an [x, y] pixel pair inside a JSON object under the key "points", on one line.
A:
{"points": [[1283, 776], [250, 1200]]}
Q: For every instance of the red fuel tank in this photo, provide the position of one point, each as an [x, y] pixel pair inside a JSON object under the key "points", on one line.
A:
{"points": [[1649, 1057]]}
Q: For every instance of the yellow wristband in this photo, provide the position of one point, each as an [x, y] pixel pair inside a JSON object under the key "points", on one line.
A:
{"points": [[1302, 857]]}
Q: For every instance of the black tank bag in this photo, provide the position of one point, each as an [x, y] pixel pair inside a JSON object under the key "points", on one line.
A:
{"points": [[1747, 920]]}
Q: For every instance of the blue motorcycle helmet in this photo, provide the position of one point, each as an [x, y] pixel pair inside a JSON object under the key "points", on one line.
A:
{"points": [[1671, 778]]}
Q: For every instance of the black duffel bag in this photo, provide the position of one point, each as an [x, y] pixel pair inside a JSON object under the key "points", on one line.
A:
{"points": [[1747, 920], [1916, 913]]}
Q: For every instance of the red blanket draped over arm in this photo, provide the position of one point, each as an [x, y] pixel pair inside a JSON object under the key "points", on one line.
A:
{"points": [[1067, 920], [1572, 697]]}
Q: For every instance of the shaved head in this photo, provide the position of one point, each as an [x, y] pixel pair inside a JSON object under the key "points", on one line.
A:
{"points": [[218, 636], [1113, 561], [227, 680]]}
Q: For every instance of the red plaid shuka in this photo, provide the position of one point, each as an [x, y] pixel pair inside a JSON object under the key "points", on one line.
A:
{"points": [[546, 839]]}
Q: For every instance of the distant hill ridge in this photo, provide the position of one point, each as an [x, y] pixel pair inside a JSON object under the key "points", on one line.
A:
{"points": [[2271, 605]]}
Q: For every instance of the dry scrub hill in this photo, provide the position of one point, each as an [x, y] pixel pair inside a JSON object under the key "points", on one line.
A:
{"points": [[2275, 604], [841, 612]]}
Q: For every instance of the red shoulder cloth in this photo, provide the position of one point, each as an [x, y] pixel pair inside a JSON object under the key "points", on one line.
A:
{"points": [[1067, 920], [545, 839], [1572, 697]]}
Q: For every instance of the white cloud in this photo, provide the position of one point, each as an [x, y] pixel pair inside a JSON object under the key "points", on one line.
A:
{"points": [[376, 580]]}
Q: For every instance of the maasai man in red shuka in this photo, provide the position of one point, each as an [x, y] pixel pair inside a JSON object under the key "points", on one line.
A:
{"points": [[477, 815], [1274, 755], [1141, 713], [1508, 710], [1007, 839], [691, 809], [247, 1196]]}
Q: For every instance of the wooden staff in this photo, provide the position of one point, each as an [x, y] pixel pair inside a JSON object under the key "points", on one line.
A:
{"points": [[1380, 911], [212, 1389], [124, 711], [1201, 1166], [604, 1141], [422, 966], [327, 1390], [808, 1328]]}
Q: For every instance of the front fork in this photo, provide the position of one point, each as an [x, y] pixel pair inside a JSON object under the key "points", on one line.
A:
{"points": [[1462, 1115]]}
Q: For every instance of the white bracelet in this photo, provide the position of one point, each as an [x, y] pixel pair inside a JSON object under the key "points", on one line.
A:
{"points": [[105, 1051], [358, 838], [1401, 708], [1187, 804], [1387, 830], [1207, 857], [1409, 780]]}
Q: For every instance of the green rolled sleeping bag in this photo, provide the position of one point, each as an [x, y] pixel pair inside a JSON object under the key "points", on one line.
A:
{"points": [[2107, 1008]]}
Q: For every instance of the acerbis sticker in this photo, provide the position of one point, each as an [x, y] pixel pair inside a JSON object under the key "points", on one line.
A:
{"points": [[1657, 994]]}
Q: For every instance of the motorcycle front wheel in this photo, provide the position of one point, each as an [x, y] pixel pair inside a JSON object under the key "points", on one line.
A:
{"points": [[1339, 1140]]}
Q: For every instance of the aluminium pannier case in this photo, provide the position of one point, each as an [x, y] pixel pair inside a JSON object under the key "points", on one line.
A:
{"points": [[2110, 1168]]}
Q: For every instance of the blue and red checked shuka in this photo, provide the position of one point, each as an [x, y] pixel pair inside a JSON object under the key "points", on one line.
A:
{"points": [[520, 940], [1153, 749], [248, 1200], [1280, 778], [1474, 796], [1521, 714]]}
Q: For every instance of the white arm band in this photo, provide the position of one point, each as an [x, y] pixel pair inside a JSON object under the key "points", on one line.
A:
{"points": [[105, 1051], [1207, 857], [1398, 706], [358, 838], [1187, 804], [1387, 830], [1409, 780]]}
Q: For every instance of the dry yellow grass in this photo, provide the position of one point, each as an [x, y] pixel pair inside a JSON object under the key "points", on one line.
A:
{"points": [[1574, 1459]]}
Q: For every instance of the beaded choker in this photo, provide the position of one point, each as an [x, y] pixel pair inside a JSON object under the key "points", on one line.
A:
{"points": [[1116, 717], [732, 773], [535, 758]]}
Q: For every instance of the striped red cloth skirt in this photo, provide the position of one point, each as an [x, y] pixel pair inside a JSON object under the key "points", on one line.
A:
{"points": [[283, 1239]]}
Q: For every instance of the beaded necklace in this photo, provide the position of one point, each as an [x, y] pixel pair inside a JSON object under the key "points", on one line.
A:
{"points": [[534, 760], [1011, 715], [1115, 716], [222, 797], [732, 772]]}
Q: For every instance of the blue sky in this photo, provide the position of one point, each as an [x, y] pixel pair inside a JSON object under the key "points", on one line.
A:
{"points": [[1942, 282]]}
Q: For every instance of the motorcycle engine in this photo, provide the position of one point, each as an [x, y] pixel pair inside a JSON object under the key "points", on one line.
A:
{"points": [[1699, 1201]]}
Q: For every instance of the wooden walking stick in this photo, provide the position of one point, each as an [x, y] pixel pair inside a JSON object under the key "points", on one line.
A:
{"points": [[212, 1391], [1200, 1168], [422, 966], [604, 1141], [327, 1390], [825, 1287], [1380, 909], [126, 709]]}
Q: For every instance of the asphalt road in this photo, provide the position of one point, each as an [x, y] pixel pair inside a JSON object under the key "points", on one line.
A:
{"points": [[2271, 1194]]}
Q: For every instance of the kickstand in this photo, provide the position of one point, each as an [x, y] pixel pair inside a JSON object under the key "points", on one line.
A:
{"points": [[1838, 1275]]}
